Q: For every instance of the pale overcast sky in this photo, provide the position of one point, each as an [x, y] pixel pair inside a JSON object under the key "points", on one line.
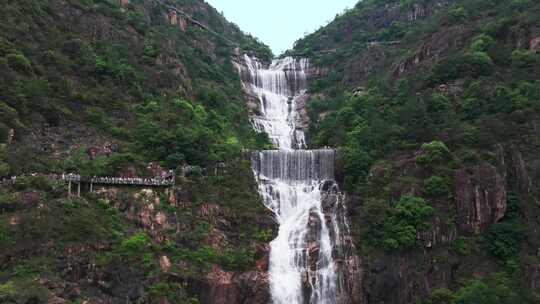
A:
{"points": [[279, 23]]}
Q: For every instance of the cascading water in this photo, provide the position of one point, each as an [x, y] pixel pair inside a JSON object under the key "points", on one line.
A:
{"points": [[277, 89], [294, 184], [301, 262]]}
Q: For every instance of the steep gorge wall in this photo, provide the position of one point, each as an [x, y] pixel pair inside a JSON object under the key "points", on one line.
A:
{"points": [[486, 182]]}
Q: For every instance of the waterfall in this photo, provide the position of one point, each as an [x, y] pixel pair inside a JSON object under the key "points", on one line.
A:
{"points": [[277, 89], [297, 186]]}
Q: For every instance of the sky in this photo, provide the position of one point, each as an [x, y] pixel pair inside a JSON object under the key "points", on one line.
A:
{"points": [[279, 23]]}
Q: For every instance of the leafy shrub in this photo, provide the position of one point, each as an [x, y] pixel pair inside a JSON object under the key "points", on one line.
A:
{"points": [[174, 160], [504, 239], [375, 214], [461, 246], [523, 58], [498, 288], [19, 63], [96, 116], [5, 238], [441, 296], [439, 103], [520, 5], [481, 43], [357, 163], [395, 228], [263, 235], [174, 293], [402, 236], [413, 210], [23, 291], [6, 47], [7, 289], [39, 183], [150, 50], [80, 222], [138, 22], [458, 14], [237, 259], [436, 186], [470, 64], [4, 169], [476, 292], [135, 246], [9, 115], [201, 257], [479, 63], [433, 153]]}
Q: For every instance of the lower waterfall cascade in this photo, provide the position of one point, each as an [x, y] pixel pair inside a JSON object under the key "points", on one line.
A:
{"points": [[298, 186]]}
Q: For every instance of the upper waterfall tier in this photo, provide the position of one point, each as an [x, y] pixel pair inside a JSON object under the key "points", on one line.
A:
{"points": [[285, 77], [276, 88], [294, 165]]}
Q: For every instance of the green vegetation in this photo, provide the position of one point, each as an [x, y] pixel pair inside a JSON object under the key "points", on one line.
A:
{"points": [[172, 292], [22, 291], [164, 95], [396, 227], [233, 188], [498, 289], [4, 167], [238, 259], [436, 186], [406, 109]]}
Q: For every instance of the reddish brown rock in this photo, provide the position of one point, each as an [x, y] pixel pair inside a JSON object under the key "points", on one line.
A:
{"points": [[164, 263], [535, 45], [222, 287], [104, 150], [519, 173], [211, 210], [55, 300], [177, 19], [480, 198], [215, 239]]}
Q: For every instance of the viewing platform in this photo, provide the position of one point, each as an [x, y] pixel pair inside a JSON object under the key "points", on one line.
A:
{"points": [[167, 180], [111, 180]]}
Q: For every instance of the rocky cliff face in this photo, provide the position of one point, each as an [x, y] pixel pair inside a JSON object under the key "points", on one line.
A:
{"points": [[166, 218], [348, 262], [480, 198], [221, 287]]}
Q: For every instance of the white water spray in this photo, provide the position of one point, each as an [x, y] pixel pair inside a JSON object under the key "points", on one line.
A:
{"points": [[277, 89], [302, 267]]}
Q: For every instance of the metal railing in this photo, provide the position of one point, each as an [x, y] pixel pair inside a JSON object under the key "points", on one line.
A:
{"points": [[169, 180]]}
